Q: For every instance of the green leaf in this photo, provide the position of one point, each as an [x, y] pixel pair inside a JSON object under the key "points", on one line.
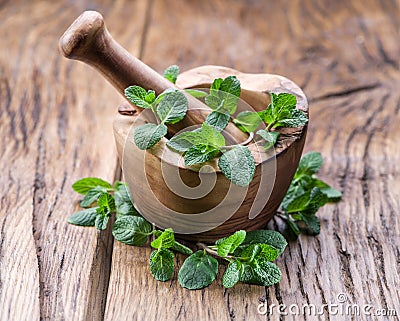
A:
{"points": [[178, 247], [171, 73], [312, 222], [218, 120], [123, 200], [198, 271], [85, 217], [172, 108], [132, 230], [238, 165], [162, 264], [84, 185], [101, 221], [269, 237], [199, 154], [183, 141], [196, 93], [297, 119], [92, 196], [292, 224], [147, 135], [165, 240], [282, 104], [309, 202], [332, 194], [211, 136], [106, 202], [229, 244], [269, 252], [232, 274], [309, 164], [260, 271], [224, 94], [248, 121], [269, 137], [139, 96]]}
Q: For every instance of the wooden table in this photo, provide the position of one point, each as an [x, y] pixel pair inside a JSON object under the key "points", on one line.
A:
{"points": [[56, 127]]}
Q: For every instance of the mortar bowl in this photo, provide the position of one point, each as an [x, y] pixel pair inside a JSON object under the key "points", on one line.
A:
{"points": [[199, 202]]}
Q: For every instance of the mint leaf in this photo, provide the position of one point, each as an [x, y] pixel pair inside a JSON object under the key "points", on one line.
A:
{"points": [[269, 237], [309, 202], [247, 121], [238, 165], [211, 136], [106, 202], [196, 93], [183, 141], [176, 246], [165, 240], [171, 73], [260, 271], [92, 196], [139, 96], [132, 230], [297, 119], [218, 120], [85, 217], [269, 137], [224, 94], [309, 164], [198, 271], [172, 108], [147, 135], [332, 194], [101, 221], [123, 200], [229, 244], [292, 224], [312, 222], [162, 264], [199, 154], [84, 185], [232, 274], [269, 252]]}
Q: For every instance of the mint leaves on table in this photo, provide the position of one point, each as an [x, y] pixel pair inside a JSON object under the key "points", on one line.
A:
{"points": [[306, 195], [169, 107]]}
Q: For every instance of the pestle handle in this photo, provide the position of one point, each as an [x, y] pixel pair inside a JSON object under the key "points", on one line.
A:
{"points": [[88, 40]]}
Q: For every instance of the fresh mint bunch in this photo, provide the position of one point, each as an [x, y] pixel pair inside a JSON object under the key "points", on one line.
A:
{"points": [[306, 195], [169, 107]]}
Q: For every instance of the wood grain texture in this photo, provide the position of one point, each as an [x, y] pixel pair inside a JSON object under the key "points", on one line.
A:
{"points": [[55, 128], [345, 58]]}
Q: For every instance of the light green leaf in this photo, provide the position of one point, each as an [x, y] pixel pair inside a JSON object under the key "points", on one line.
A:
{"points": [[165, 240], [248, 121], [211, 136], [138, 96], [238, 165], [269, 137], [297, 119], [198, 271], [132, 230], [183, 141], [199, 154], [218, 120], [224, 94], [196, 93], [332, 194], [171, 73], [162, 264], [150, 96], [232, 274], [178, 247], [229, 244], [172, 108], [260, 271], [282, 104], [86, 217], [147, 135], [269, 252], [84, 185], [269, 237], [309, 164], [101, 221], [106, 202], [309, 202], [92, 196]]}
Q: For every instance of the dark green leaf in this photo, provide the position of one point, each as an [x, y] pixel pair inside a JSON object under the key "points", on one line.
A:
{"points": [[312, 222], [248, 121], [101, 221], [211, 136], [198, 271], [260, 271], [238, 165], [132, 230], [84, 185], [330, 192], [123, 200], [199, 154], [232, 274], [183, 141], [165, 240], [172, 108], [224, 94], [269, 137], [139, 96], [86, 217], [171, 73], [292, 224], [229, 244], [162, 264], [269, 237], [269, 252], [297, 119], [92, 196], [218, 120], [309, 164], [147, 135]]}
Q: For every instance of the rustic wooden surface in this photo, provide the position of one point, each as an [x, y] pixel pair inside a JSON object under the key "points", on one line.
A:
{"points": [[56, 126]]}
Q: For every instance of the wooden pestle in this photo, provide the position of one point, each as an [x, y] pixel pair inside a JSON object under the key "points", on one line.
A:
{"points": [[88, 40]]}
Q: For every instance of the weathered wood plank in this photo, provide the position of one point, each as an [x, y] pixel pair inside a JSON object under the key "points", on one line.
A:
{"points": [[56, 127], [344, 56]]}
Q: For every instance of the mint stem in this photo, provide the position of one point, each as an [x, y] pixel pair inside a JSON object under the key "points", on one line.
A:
{"points": [[215, 253]]}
